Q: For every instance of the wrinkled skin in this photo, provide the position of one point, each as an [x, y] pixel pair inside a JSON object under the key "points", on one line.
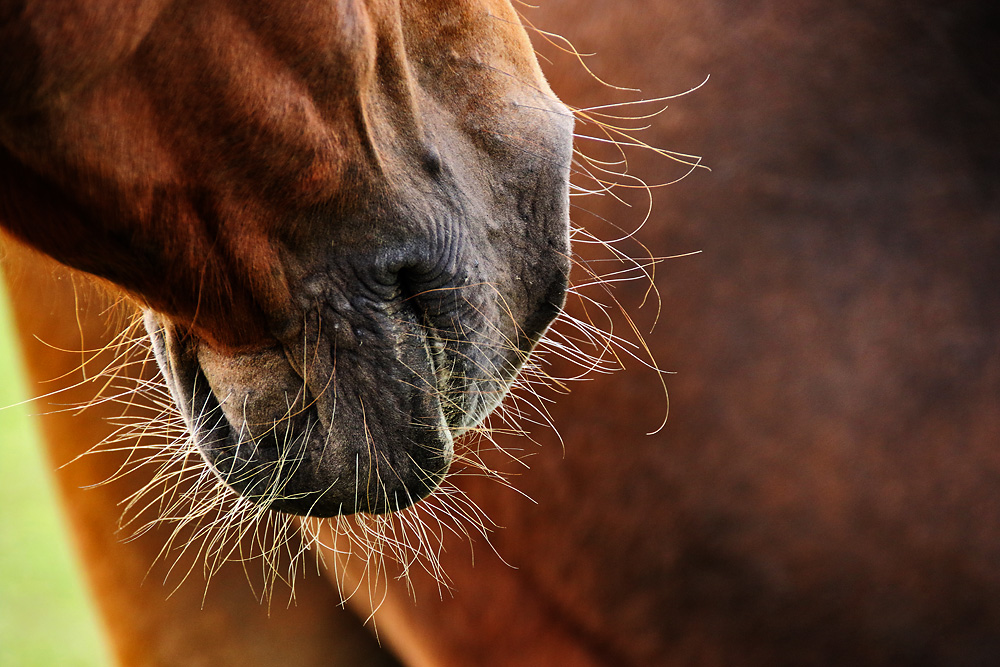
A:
{"points": [[347, 222]]}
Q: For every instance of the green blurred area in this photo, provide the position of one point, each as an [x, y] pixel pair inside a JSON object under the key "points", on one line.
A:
{"points": [[45, 615]]}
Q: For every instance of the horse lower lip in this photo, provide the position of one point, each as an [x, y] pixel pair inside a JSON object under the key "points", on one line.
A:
{"points": [[369, 458]]}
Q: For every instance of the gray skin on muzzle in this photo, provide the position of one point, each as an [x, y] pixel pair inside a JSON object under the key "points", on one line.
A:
{"points": [[411, 319]]}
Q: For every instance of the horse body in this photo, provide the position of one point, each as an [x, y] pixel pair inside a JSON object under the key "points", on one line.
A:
{"points": [[824, 490], [821, 493]]}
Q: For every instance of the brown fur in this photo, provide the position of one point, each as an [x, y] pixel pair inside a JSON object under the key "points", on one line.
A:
{"points": [[825, 489]]}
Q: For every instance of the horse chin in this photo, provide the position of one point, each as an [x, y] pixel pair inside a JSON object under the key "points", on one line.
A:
{"points": [[322, 437]]}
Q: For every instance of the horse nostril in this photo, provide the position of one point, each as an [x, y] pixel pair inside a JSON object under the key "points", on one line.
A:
{"points": [[418, 279], [432, 161]]}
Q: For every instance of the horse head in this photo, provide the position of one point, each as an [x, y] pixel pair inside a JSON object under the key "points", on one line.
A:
{"points": [[347, 227]]}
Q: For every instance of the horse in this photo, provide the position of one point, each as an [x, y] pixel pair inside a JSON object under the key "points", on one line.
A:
{"points": [[823, 491]]}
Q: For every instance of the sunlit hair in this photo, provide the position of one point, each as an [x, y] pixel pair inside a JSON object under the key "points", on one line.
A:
{"points": [[207, 524]]}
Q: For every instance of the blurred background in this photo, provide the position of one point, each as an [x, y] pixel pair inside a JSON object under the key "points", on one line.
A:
{"points": [[46, 617]]}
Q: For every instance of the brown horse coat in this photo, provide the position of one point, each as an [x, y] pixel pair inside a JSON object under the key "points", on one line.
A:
{"points": [[825, 491]]}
